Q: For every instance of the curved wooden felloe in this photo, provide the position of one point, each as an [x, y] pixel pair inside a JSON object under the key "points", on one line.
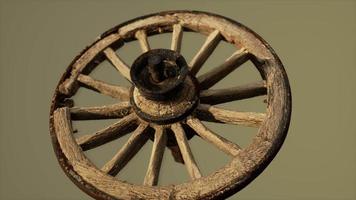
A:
{"points": [[246, 163]]}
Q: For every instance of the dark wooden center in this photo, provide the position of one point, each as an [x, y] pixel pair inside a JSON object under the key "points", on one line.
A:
{"points": [[159, 73], [163, 90]]}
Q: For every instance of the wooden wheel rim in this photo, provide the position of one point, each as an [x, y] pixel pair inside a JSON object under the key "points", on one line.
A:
{"points": [[242, 169]]}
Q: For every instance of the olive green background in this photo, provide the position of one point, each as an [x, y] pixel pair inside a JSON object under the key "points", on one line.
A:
{"points": [[316, 40]]}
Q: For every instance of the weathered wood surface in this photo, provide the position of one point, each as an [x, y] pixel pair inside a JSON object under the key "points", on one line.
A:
{"points": [[215, 114], [118, 92], [177, 106], [64, 132], [204, 52], [112, 132], [114, 111], [188, 157], [177, 37], [217, 140], [129, 150], [118, 63], [210, 78], [217, 96], [154, 165], [246, 164], [84, 172], [142, 39], [68, 86]]}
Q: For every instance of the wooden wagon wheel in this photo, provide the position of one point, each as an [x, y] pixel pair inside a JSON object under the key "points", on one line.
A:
{"points": [[168, 102]]}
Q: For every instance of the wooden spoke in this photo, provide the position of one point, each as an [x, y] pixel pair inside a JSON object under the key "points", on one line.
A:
{"points": [[68, 87], [235, 93], [214, 114], [205, 51], [101, 112], [210, 78], [154, 165], [175, 151], [220, 142], [112, 132], [142, 39], [177, 37], [188, 158], [121, 93], [118, 63], [129, 150]]}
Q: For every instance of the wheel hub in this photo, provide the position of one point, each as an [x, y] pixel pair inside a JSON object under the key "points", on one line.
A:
{"points": [[163, 90]]}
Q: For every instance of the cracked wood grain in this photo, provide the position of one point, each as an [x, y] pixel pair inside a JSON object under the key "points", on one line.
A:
{"points": [[118, 92], [112, 132], [213, 76], [118, 63], [205, 51], [217, 96], [154, 165], [217, 140], [188, 157], [114, 111], [129, 150], [215, 114]]}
